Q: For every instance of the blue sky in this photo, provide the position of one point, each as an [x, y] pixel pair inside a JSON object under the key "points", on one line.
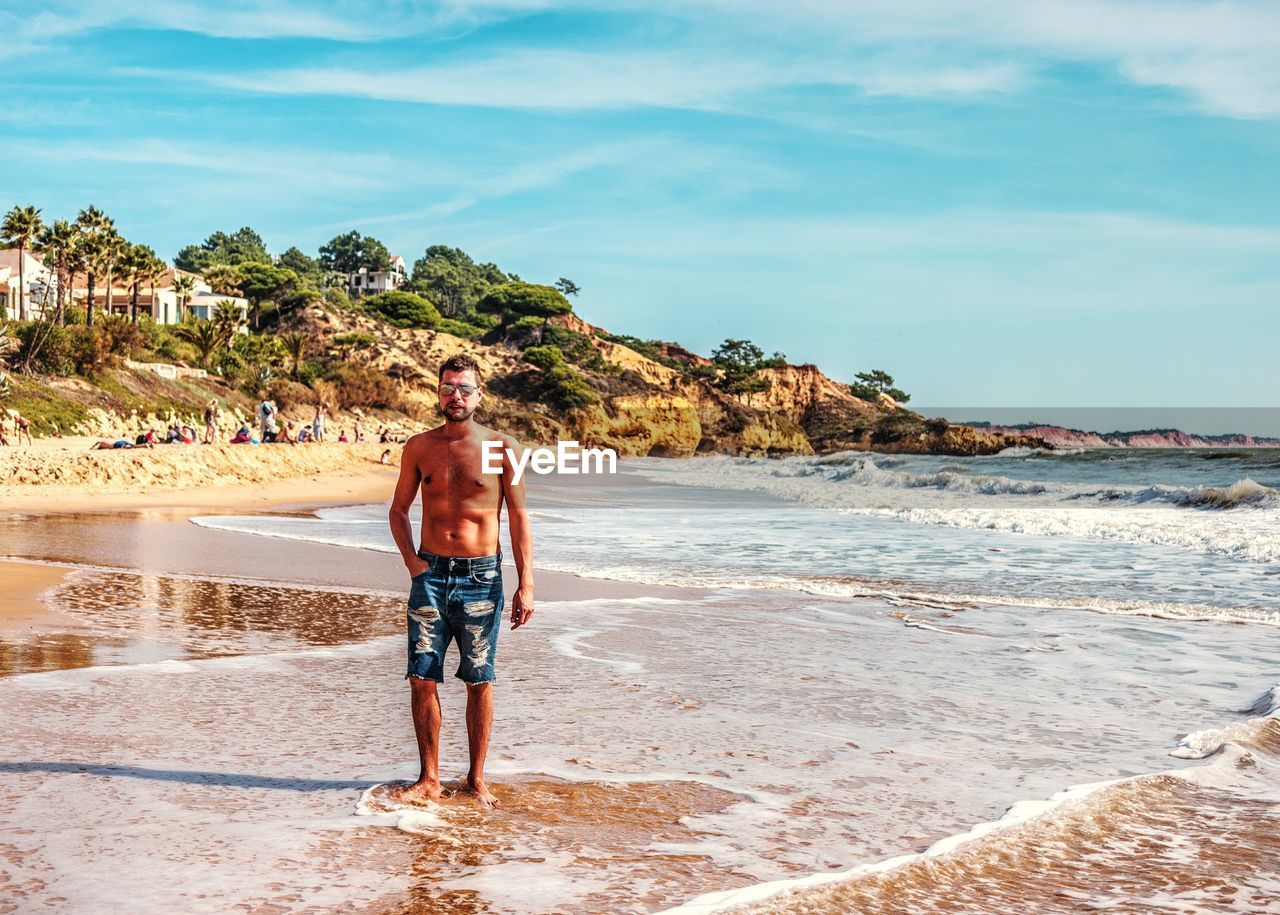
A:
{"points": [[1002, 203]]}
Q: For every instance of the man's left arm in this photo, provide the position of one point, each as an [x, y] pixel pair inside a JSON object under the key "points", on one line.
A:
{"points": [[521, 535]]}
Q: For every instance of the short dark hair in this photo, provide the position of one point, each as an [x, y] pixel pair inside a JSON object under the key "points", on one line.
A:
{"points": [[460, 362]]}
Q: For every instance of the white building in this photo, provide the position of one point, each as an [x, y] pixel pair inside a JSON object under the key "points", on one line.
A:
{"points": [[158, 299], [41, 283], [362, 282]]}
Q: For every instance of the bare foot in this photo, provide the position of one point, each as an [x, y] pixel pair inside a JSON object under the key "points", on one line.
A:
{"points": [[420, 792], [477, 787]]}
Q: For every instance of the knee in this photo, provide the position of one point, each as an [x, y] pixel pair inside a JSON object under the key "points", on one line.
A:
{"points": [[422, 686]]}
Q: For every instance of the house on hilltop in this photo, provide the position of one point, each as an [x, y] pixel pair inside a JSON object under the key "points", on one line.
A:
{"points": [[364, 282]]}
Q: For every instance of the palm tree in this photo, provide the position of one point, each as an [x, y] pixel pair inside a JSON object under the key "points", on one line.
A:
{"points": [[21, 226], [140, 265], [228, 317], [92, 223], [206, 336], [114, 246], [154, 269], [295, 344], [183, 285], [57, 243], [223, 278]]}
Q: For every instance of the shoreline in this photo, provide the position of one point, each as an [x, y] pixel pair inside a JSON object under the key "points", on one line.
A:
{"points": [[21, 587]]}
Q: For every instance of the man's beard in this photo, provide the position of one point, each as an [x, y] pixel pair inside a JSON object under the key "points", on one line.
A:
{"points": [[456, 417]]}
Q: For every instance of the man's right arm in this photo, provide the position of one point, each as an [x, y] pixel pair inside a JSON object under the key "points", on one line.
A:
{"points": [[406, 491]]}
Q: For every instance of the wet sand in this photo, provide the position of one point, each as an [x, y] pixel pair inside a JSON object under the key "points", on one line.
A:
{"points": [[21, 585]]}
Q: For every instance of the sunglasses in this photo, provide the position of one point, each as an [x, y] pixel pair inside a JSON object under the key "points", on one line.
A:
{"points": [[466, 389]]}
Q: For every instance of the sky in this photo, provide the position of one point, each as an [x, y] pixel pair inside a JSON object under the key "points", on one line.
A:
{"points": [[1002, 203]]}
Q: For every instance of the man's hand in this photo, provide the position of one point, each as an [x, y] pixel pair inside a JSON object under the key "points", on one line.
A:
{"points": [[521, 606], [416, 566]]}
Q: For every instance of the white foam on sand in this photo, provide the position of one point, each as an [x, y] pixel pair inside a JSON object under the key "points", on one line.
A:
{"points": [[1229, 772]]}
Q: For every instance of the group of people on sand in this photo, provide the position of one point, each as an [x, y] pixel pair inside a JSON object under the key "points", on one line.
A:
{"points": [[177, 434], [273, 430]]}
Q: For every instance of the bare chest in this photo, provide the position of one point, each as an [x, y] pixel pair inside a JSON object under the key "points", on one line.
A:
{"points": [[455, 471]]}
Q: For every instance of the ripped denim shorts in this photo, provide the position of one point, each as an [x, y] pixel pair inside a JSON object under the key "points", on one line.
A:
{"points": [[455, 599]]}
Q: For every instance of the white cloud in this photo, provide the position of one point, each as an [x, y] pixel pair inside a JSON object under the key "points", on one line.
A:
{"points": [[692, 79], [292, 165]]}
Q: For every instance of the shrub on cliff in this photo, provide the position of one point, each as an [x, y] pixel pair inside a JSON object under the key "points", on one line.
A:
{"points": [[512, 301], [465, 329], [870, 385], [403, 309], [544, 357], [740, 362], [937, 425], [44, 349], [576, 346], [567, 389]]}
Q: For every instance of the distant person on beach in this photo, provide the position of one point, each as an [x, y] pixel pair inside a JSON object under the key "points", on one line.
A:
{"points": [[286, 434], [241, 437], [342, 436], [211, 422], [3, 441], [386, 457], [357, 435], [122, 443], [267, 419], [456, 573], [317, 423], [21, 427]]}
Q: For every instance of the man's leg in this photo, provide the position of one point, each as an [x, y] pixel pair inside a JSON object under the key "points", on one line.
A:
{"points": [[425, 701], [479, 724]]}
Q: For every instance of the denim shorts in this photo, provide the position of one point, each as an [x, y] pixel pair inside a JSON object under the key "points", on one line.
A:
{"points": [[455, 600]]}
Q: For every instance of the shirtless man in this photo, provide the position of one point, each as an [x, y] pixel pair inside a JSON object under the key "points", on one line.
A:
{"points": [[456, 591]]}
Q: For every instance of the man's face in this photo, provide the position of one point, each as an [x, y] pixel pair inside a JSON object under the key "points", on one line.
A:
{"points": [[457, 405]]}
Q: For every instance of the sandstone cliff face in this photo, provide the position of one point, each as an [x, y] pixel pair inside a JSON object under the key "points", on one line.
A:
{"points": [[649, 408]]}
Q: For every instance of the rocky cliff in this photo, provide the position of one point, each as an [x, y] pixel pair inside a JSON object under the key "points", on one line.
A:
{"points": [[671, 407], [1060, 437]]}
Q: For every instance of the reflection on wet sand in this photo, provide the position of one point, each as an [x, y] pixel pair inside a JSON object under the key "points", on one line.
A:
{"points": [[618, 845], [125, 617], [23, 654]]}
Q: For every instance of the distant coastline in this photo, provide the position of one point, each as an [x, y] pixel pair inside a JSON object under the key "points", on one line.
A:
{"points": [[1063, 437]]}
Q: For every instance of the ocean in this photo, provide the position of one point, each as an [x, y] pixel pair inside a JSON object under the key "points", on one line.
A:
{"points": [[1039, 681]]}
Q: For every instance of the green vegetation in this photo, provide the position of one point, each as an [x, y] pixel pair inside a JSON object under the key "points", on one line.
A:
{"points": [[512, 301], [403, 309], [870, 385], [544, 357], [464, 329], [740, 362], [243, 246], [450, 278], [47, 411], [352, 252]]}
